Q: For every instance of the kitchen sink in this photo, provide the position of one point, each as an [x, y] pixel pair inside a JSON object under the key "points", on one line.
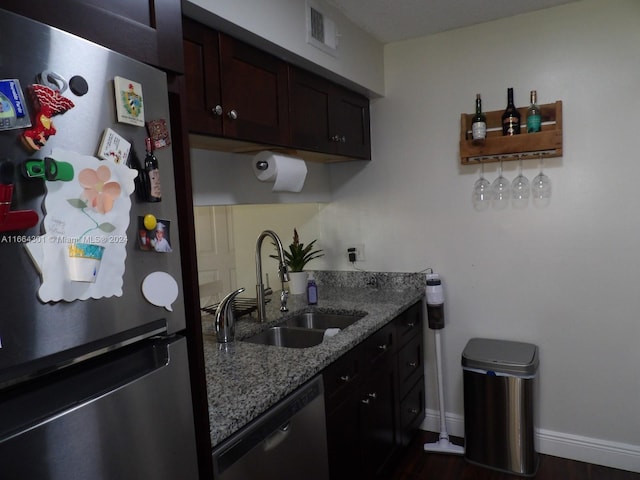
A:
{"points": [[322, 321], [304, 330], [288, 337]]}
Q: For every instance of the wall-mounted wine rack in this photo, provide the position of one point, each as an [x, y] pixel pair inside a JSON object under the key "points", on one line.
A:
{"points": [[544, 144]]}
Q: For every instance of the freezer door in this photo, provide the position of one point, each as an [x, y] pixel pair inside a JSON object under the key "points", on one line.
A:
{"points": [[31, 330], [128, 417]]}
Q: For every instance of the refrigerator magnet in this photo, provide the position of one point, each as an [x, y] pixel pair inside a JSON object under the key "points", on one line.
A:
{"points": [[159, 133], [129, 101], [154, 235], [13, 110], [113, 147], [160, 289], [47, 103]]}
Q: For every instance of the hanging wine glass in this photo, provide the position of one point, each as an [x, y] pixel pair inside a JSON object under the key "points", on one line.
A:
{"points": [[481, 191], [520, 188], [501, 190], [541, 187]]}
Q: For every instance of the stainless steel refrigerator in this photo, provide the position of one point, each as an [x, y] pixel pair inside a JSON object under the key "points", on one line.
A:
{"points": [[91, 386]]}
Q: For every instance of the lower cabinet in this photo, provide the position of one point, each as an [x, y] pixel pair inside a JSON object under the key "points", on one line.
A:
{"points": [[374, 399]]}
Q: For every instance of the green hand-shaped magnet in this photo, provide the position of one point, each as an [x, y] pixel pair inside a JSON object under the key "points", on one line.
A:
{"points": [[47, 168]]}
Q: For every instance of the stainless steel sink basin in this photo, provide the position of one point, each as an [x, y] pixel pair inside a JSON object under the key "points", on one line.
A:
{"points": [[288, 337], [322, 321]]}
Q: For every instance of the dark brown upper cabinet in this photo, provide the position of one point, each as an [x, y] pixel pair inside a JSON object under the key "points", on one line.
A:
{"points": [[234, 89], [240, 93], [326, 117], [146, 30], [202, 78]]}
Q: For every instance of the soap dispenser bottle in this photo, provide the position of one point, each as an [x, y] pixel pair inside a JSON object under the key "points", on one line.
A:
{"points": [[312, 291]]}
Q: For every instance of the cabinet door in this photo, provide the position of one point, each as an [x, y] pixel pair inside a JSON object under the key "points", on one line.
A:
{"points": [[378, 418], [412, 411], [378, 400], [149, 30], [350, 124], [254, 89], [328, 118], [202, 79], [309, 98], [343, 440]]}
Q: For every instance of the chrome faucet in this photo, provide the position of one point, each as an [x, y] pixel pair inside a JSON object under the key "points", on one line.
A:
{"points": [[225, 322], [282, 268]]}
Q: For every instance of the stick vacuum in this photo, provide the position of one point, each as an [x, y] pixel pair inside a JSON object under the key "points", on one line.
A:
{"points": [[435, 315]]}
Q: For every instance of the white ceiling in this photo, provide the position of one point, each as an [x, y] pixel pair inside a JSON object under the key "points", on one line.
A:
{"points": [[395, 20]]}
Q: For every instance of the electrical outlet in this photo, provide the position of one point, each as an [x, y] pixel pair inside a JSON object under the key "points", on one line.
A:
{"points": [[356, 253]]}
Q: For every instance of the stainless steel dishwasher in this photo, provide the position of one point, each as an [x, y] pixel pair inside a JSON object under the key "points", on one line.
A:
{"points": [[288, 442]]}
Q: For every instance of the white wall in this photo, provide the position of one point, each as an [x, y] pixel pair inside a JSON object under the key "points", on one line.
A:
{"points": [[221, 178], [563, 277], [359, 58], [250, 220]]}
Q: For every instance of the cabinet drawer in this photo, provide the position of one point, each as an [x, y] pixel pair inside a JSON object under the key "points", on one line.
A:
{"points": [[409, 323], [342, 377], [411, 412], [410, 364], [380, 346]]}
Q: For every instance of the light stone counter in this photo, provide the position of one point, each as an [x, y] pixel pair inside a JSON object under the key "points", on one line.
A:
{"points": [[245, 379]]}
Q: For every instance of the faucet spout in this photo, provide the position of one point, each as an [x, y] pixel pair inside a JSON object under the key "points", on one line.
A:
{"points": [[282, 267], [225, 322]]}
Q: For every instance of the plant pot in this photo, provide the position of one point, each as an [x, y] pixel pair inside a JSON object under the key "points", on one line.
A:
{"points": [[298, 282], [84, 261]]}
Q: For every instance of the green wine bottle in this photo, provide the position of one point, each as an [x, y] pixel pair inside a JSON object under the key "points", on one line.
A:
{"points": [[534, 117]]}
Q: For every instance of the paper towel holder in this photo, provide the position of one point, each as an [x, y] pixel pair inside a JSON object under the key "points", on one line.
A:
{"points": [[262, 164]]}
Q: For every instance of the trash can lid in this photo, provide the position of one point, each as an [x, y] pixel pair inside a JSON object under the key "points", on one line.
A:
{"points": [[502, 356]]}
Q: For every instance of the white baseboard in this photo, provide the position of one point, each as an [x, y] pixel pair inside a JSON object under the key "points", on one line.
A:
{"points": [[575, 447]]}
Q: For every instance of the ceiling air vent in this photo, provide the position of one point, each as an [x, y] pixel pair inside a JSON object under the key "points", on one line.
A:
{"points": [[321, 30], [317, 25]]}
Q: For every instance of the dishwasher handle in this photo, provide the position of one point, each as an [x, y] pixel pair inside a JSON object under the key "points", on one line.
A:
{"points": [[277, 437]]}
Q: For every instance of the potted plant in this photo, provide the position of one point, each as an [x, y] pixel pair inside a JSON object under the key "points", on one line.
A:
{"points": [[296, 258]]}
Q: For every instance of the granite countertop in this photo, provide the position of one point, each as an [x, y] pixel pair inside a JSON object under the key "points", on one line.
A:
{"points": [[245, 379]]}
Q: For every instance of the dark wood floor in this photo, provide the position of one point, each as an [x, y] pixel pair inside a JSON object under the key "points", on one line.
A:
{"points": [[418, 465]]}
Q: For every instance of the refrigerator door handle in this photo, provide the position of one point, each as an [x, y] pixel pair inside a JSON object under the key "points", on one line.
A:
{"points": [[66, 358], [36, 403]]}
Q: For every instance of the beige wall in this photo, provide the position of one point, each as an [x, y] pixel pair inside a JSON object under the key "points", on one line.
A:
{"points": [[564, 277]]}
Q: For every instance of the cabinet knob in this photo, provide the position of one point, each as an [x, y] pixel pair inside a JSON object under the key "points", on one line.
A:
{"points": [[217, 110], [414, 411], [412, 364], [343, 139], [345, 378], [233, 114], [382, 347], [370, 396], [335, 138]]}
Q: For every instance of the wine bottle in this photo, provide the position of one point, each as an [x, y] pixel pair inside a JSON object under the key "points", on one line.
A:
{"points": [[478, 124], [154, 191], [510, 117], [534, 117]]}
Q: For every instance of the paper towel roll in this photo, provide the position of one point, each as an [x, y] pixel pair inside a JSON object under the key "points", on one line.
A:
{"points": [[287, 173]]}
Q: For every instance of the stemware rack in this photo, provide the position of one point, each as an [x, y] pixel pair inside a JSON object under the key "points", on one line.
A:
{"points": [[544, 144]]}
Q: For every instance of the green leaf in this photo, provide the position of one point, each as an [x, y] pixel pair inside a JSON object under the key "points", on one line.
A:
{"points": [[107, 227], [77, 202]]}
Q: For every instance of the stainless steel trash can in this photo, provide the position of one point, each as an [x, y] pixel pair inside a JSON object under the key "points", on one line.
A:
{"points": [[499, 378]]}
